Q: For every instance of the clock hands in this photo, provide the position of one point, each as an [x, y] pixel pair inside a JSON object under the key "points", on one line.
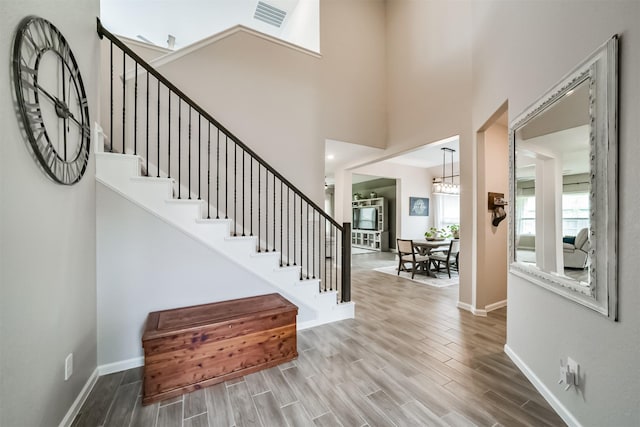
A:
{"points": [[61, 108]]}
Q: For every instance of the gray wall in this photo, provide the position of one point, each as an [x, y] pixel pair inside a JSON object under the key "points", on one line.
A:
{"points": [[47, 244], [521, 50], [386, 188]]}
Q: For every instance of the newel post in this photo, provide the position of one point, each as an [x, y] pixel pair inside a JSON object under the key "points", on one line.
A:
{"points": [[346, 262]]}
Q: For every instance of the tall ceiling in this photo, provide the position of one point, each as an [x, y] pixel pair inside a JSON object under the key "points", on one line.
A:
{"points": [[187, 20]]}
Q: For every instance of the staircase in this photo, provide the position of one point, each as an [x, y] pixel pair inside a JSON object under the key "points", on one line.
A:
{"points": [[168, 156]]}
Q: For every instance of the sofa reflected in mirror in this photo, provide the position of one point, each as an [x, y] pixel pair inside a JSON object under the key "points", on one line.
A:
{"points": [[575, 253], [575, 250]]}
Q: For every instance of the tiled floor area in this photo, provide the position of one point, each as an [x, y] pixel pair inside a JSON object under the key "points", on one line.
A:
{"points": [[409, 358]]}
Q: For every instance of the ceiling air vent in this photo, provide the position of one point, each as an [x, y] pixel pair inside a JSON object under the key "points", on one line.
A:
{"points": [[269, 14]]}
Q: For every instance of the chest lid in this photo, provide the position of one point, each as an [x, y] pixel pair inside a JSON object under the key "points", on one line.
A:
{"points": [[167, 322]]}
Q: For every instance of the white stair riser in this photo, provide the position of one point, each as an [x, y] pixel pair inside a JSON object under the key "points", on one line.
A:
{"points": [[117, 169], [149, 190], [182, 213]]}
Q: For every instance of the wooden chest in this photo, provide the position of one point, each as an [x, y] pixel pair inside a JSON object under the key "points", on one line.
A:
{"points": [[193, 347]]}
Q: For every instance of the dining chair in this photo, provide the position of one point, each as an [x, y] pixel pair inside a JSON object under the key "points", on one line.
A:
{"points": [[448, 258], [407, 255]]}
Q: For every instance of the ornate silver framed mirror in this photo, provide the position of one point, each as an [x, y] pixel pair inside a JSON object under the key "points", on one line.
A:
{"points": [[563, 180]]}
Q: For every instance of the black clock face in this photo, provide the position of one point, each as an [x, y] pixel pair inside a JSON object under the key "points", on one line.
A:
{"points": [[51, 100]]}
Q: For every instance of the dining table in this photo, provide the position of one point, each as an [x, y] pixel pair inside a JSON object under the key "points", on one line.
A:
{"points": [[425, 247]]}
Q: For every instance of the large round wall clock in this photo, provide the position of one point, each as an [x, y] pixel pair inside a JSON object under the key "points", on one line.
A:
{"points": [[51, 99]]}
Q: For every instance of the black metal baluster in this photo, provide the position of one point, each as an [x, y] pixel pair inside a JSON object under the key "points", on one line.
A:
{"points": [[199, 154], [169, 135], [307, 227], [251, 196], [313, 242], [294, 232], [218, 176], [259, 206], [320, 253], [226, 176], [208, 170], [338, 258], [179, 143], [301, 241], [331, 257], [266, 210], [281, 224], [189, 154], [235, 193], [147, 127], [288, 229], [158, 164], [135, 112], [111, 92], [338, 253], [124, 97], [324, 234], [274, 213], [243, 196]]}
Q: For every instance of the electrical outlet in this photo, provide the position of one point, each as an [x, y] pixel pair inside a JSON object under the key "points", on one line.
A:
{"points": [[68, 366]]}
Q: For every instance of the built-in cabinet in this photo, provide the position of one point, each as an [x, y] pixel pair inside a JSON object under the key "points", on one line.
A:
{"points": [[378, 238]]}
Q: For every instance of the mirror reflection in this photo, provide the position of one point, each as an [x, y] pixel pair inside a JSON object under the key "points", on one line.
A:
{"points": [[553, 187]]}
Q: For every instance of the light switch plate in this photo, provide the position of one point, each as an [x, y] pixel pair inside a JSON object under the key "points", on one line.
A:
{"points": [[68, 366], [574, 367]]}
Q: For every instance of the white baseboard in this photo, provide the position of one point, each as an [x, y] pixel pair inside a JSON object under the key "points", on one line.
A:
{"points": [[342, 311], [73, 411], [122, 365], [496, 305], [473, 310], [562, 411], [479, 311]]}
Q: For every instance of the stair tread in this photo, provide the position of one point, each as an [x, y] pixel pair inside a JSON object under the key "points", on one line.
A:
{"points": [[213, 221], [118, 155], [152, 179], [185, 201]]}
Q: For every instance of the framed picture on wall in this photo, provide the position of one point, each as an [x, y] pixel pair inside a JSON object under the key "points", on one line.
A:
{"points": [[418, 206]]}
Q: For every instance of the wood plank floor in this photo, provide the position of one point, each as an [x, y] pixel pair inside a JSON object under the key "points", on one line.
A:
{"points": [[409, 358]]}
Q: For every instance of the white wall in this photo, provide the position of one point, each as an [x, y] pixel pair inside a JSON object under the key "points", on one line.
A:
{"points": [[521, 49], [302, 26], [47, 244], [146, 265]]}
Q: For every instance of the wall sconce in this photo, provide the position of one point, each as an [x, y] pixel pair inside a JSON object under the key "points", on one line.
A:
{"points": [[496, 204]]}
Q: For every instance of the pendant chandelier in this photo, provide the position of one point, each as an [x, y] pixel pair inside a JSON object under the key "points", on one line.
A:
{"points": [[441, 185]]}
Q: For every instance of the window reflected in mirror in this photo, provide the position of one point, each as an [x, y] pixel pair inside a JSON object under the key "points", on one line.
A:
{"points": [[526, 209]]}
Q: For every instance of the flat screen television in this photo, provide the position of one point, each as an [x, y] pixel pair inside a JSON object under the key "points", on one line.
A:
{"points": [[365, 218]]}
